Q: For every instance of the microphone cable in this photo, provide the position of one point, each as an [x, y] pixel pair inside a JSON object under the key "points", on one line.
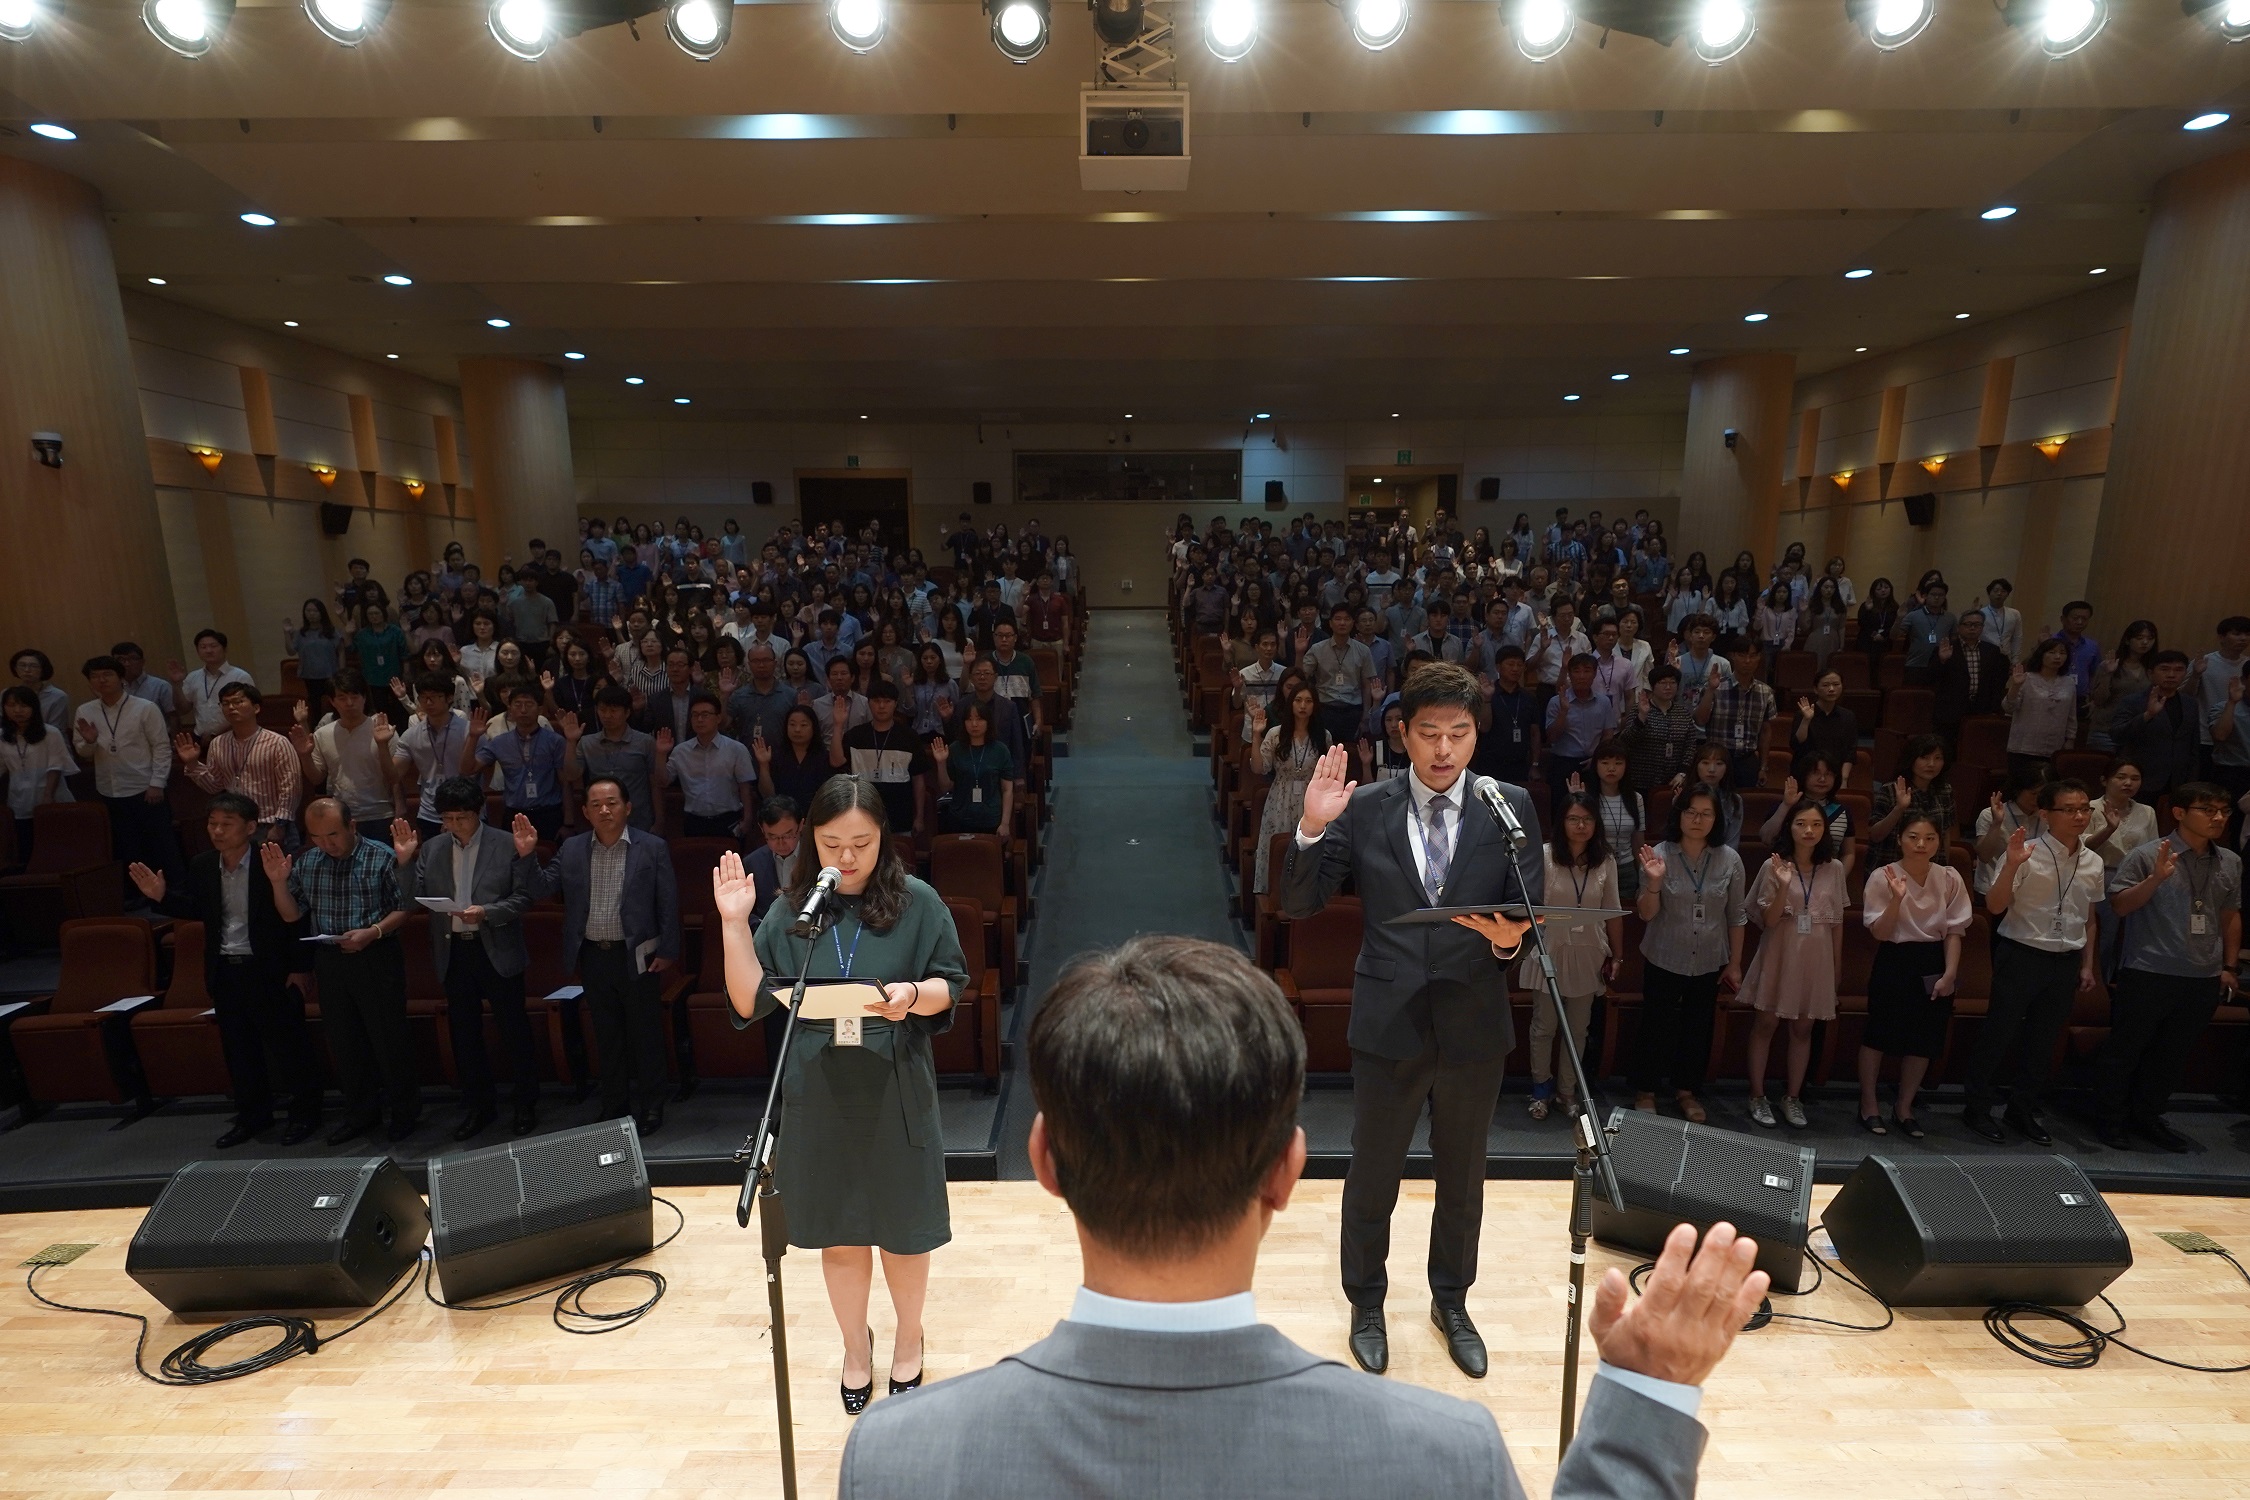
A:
{"points": [[1766, 1315], [570, 1295]]}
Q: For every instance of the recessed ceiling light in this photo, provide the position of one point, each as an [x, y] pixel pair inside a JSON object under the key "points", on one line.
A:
{"points": [[1621, 376], [2201, 122], [1860, 349], [1682, 349], [257, 221], [863, 416], [2002, 211], [497, 323], [54, 132], [390, 356], [1753, 317], [679, 401], [156, 281], [1394, 413], [632, 380], [395, 279], [2099, 271], [1859, 273], [1263, 416], [1957, 317], [1128, 416], [572, 354], [1570, 398], [288, 322]]}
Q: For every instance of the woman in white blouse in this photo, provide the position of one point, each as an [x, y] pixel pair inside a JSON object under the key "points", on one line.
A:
{"points": [[1580, 873], [1917, 909], [2042, 705], [35, 756]]}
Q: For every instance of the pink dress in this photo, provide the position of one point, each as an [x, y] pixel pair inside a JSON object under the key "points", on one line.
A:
{"points": [[1793, 973]]}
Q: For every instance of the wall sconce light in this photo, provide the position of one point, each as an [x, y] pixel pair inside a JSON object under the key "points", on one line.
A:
{"points": [[325, 473], [210, 458], [1933, 464], [2051, 446], [1842, 477], [414, 487]]}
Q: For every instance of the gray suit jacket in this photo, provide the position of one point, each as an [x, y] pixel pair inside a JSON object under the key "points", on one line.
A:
{"points": [[648, 905], [1412, 985], [500, 882], [1091, 1412]]}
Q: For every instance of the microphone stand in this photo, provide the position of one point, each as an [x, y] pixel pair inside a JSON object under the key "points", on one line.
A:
{"points": [[1592, 1163], [773, 1220]]}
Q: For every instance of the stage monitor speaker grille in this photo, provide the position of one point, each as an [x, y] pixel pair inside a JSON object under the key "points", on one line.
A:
{"points": [[268, 1236], [1968, 1231], [1672, 1172], [546, 1206]]}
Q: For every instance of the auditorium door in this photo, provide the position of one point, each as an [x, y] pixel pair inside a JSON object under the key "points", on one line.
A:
{"points": [[855, 497]]}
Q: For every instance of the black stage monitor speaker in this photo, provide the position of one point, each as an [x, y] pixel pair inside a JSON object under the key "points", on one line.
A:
{"points": [[1277, 497], [1672, 1172], [1488, 488], [335, 519], [761, 492], [545, 1206], [1967, 1231], [1921, 510], [981, 491], [268, 1236]]}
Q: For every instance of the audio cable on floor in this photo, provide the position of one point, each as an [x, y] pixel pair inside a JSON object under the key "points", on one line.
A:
{"points": [[2005, 1322], [570, 1296], [1765, 1313], [185, 1366]]}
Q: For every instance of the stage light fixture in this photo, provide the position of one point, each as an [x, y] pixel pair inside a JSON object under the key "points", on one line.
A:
{"points": [[19, 19], [289, 322], [1890, 24], [1019, 28], [1859, 273], [347, 22], [634, 380], [189, 27], [54, 132], [2099, 271], [1621, 376], [526, 28], [1570, 398], [1230, 28], [1118, 22], [1376, 24], [158, 281], [858, 24], [1541, 28], [2231, 17], [700, 28], [396, 278], [2062, 26], [680, 401], [2208, 121], [1998, 212], [1722, 29]]}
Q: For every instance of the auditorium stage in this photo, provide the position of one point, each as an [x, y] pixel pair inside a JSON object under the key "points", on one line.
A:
{"points": [[500, 1405]]}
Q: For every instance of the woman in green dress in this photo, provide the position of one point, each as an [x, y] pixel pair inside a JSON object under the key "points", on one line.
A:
{"points": [[861, 1156]]}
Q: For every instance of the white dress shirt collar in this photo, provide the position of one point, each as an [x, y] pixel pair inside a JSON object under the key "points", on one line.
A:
{"points": [[1422, 793], [1215, 1316]]}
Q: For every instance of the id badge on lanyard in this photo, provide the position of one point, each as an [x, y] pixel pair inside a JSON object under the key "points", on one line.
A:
{"points": [[849, 1029]]}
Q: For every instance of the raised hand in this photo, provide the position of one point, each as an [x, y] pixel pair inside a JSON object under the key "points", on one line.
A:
{"points": [[1257, 715], [176, 672], [2167, 860], [762, 752], [275, 861], [567, 722], [939, 751], [1804, 707], [1903, 790], [2016, 674], [398, 690], [479, 718], [1789, 791], [1652, 863], [734, 893], [1695, 1303], [2157, 698], [384, 730], [1945, 649], [148, 882], [547, 682], [1328, 793], [840, 709], [525, 836], [1577, 783], [1999, 807], [664, 741], [1895, 878], [88, 735], [406, 840], [185, 747], [299, 740], [2019, 846], [301, 712]]}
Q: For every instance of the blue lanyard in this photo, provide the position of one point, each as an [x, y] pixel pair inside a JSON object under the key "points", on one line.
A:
{"points": [[1703, 869], [844, 960]]}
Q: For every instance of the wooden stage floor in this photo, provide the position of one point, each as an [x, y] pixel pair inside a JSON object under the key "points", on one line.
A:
{"points": [[498, 1405]]}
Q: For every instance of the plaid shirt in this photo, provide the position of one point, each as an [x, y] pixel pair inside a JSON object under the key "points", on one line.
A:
{"points": [[1658, 744], [344, 895], [601, 598], [1739, 711]]}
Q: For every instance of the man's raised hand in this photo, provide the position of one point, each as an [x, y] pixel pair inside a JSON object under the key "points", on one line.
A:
{"points": [[1328, 792]]}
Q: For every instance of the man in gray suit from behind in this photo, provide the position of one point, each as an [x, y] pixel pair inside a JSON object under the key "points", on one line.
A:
{"points": [[1168, 1074], [479, 954]]}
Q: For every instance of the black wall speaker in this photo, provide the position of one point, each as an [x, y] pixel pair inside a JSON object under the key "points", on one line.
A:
{"points": [[1277, 497], [540, 1207], [1672, 1172], [1488, 488], [1921, 510], [335, 519], [266, 1236], [981, 491], [761, 492], [1966, 1231]]}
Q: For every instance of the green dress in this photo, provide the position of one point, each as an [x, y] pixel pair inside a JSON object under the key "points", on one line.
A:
{"points": [[861, 1157]]}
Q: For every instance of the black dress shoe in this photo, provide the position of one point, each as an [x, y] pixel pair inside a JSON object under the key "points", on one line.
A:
{"points": [[1371, 1346], [299, 1132], [856, 1397], [651, 1122], [1462, 1340], [2164, 1135], [2114, 1137], [349, 1131], [2027, 1125], [242, 1131], [901, 1387], [1981, 1121], [473, 1123], [399, 1130], [526, 1119]]}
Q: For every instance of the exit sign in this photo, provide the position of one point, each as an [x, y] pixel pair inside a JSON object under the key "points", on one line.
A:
{"points": [[1405, 455], [851, 460]]}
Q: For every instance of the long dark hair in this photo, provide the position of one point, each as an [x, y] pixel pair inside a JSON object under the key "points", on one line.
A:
{"points": [[884, 901], [1597, 847], [1822, 851], [34, 728]]}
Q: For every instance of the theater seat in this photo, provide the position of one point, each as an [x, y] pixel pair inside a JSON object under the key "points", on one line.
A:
{"points": [[70, 874], [1323, 952], [721, 1051], [71, 1050], [179, 1044], [973, 1043], [973, 866]]}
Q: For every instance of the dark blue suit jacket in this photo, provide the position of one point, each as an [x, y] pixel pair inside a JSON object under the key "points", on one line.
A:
{"points": [[647, 907]]}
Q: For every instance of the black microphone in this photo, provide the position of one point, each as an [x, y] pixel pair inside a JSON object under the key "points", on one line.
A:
{"points": [[1488, 792], [815, 910]]}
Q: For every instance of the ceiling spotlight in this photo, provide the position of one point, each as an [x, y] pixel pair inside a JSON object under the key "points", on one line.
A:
{"points": [[1264, 416], [1376, 23], [2232, 17], [289, 322], [1621, 376], [680, 401], [395, 279], [1722, 29], [19, 19], [1890, 23], [497, 323], [1680, 349], [1117, 23], [1541, 28], [572, 354], [1019, 28], [1230, 28], [523, 27], [1994, 215], [858, 24], [1859, 349], [2063, 26], [52, 132], [1394, 413], [1958, 317], [189, 27], [700, 28], [1570, 398], [258, 221], [348, 22], [2099, 271], [158, 281], [1859, 273], [1754, 317], [2208, 121], [633, 380], [390, 356]]}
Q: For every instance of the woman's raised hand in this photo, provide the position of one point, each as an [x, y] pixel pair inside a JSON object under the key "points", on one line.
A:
{"points": [[733, 892]]}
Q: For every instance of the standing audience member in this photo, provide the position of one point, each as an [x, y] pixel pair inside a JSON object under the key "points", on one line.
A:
{"points": [[349, 756], [35, 756], [2181, 898], [249, 950], [1735, 714], [619, 752], [35, 673], [1923, 788], [1922, 628], [312, 639], [1798, 901], [1342, 672], [717, 779], [345, 888], [1692, 899], [1823, 723], [2161, 727], [1580, 873], [1971, 678], [2215, 675], [2003, 626], [1917, 910], [198, 692], [256, 762], [530, 758], [126, 739], [2042, 703], [2120, 675], [1578, 718]]}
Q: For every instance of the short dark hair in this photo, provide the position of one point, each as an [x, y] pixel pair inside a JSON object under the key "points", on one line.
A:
{"points": [[242, 690], [1921, 745], [701, 698], [2063, 786], [2200, 793], [2076, 604], [101, 664], [882, 689], [347, 680], [208, 634], [459, 794], [521, 687], [610, 695], [1440, 684], [2235, 625], [1168, 1072], [46, 663], [235, 803], [1689, 793], [133, 648], [1663, 672], [431, 683], [774, 809], [2166, 658]]}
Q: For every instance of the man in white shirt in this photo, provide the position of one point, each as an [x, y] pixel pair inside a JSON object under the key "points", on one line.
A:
{"points": [[127, 741], [347, 756], [718, 781], [197, 692], [2042, 958], [430, 749], [1556, 644], [2003, 626]]}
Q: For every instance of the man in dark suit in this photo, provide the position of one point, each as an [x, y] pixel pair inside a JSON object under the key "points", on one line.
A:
{"points": [[1168, 1074], [479, 952], [781, 823], [1970, 678], [667, 707], [621, 932], [2160, 727], [1430, 1026], [249, 953]]}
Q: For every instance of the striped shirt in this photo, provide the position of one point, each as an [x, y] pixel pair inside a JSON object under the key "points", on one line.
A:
{"points": [[262, 767]]}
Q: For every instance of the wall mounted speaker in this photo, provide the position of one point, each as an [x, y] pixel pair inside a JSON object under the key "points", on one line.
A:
{"points": [[981, 491], [1672, 1172], [540, 1207], [1277, 497], [335, 519], [761, 492], [1921, 510], [1488, 488]]}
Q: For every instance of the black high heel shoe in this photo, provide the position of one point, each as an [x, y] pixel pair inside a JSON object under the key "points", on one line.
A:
{"points": [[901, 1387], [857, 1397]]}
